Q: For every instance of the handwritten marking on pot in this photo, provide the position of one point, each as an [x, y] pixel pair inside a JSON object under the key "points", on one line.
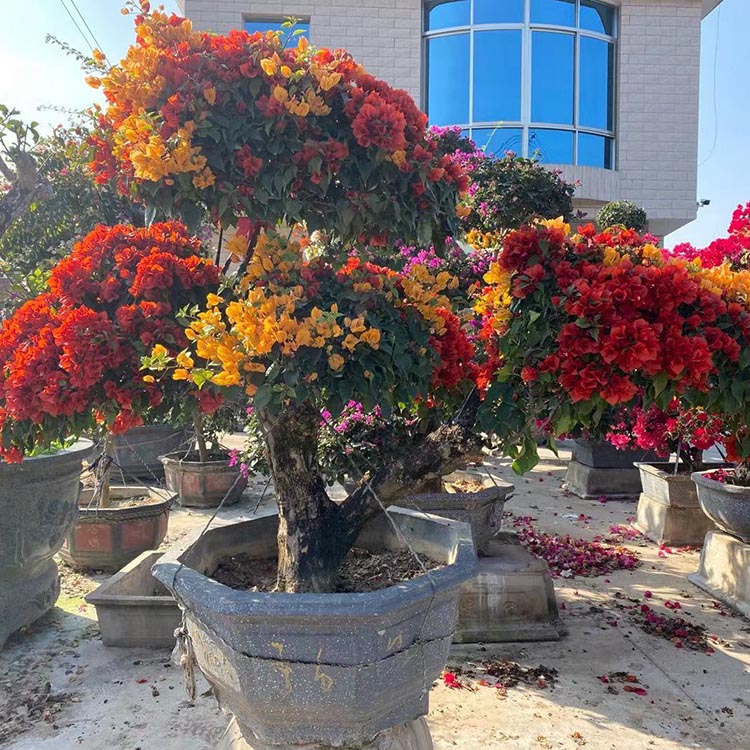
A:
{"points": [[286, 672], [395, 643], [279, 647], [325, 680]]}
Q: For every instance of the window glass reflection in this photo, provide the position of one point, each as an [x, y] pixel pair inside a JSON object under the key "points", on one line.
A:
{"points": [[288, 36], [448, 79], [497, 76], [558, 12], [551, 146], [596, 84], [597, 17], [445, 15], [498, 140], [552, 77], [498, 11], [594, 151]]}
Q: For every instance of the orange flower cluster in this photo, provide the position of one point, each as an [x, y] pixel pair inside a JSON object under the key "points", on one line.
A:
{"points": [[311, 133]]}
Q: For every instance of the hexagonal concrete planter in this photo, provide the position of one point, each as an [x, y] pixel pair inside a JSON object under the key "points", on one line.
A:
{"points": [[330, 670], [727, 505], [203, 484], [108, 538], [38, 505], [597, 469], [668, 508], [137, 451]]}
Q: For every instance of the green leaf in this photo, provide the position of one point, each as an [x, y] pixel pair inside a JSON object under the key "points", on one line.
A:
{"points": [[263, 397]]}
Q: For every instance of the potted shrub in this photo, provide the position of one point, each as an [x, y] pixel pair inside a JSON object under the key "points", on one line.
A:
{"points": [[668, 509], [305, 328], [594, 321], [71, 365]]}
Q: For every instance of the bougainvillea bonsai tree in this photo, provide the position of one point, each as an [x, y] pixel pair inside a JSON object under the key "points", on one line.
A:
{"points": [[71, 357], [266, 136], [592, 321]]}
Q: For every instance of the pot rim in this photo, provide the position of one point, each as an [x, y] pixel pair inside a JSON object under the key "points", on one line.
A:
{"points": [[174, 458], [700, 478], [82, 445], [189, 585], [658, 470], [123, 514]]}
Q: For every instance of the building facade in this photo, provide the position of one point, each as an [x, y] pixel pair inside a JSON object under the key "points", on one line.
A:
{"points": [[606, 90]]}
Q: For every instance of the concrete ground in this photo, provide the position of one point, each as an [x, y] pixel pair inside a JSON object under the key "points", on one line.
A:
{"points": [[132, 699]]}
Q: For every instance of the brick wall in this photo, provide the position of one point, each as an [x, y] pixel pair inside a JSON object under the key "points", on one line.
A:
{"points": [[384, 35], [657, 89]]}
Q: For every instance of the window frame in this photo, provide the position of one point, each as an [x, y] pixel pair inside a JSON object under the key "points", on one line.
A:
{"points": [[526, 124]]}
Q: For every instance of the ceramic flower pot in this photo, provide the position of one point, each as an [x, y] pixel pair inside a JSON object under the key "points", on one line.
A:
{"points": [[727, 505], [326, 670], [109, 538], [203, 484], [38, 505], [599, 454], [137, 451]]}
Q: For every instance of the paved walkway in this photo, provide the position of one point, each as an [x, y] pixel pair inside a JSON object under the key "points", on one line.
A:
{"points": [[125, 699]]}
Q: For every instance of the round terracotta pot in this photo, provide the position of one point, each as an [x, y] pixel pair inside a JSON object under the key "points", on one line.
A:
{"points": [[727, 505], [38, 505], [137, 451], [203, 484], [109, 538]]}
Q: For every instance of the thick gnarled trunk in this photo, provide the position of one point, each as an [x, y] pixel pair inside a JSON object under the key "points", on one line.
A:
{"points": [[315, 534]]}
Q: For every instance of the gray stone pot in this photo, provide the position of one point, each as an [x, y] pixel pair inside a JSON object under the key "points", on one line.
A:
{"points": [[203, 484], [325, 669], [482, 510], [38, 506], [727, 505], [137, 451], [602, 455]]}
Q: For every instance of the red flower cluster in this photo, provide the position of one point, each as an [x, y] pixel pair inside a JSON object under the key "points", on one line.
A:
{"points": [[456, 355], [71, 357]]}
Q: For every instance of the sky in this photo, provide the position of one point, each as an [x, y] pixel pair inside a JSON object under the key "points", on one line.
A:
{"points": [[35, 73]]}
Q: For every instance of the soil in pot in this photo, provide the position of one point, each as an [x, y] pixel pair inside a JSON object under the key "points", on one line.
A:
{"points": [[361, 572], [135, 501]]}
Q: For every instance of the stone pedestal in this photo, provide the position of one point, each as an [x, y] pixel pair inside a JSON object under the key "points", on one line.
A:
{"points": [[668, 509], [589, 482], [415, 735], [724, 570], [512, 598], [675, 526]]}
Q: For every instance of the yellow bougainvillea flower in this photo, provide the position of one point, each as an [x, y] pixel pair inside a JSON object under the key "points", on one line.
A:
{"points": [[209, 94], [159, 351], [335, 362], [371, 337], [559, 224]]}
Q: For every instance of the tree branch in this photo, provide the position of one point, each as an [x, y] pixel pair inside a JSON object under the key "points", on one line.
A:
{"points": [[27, 188]]}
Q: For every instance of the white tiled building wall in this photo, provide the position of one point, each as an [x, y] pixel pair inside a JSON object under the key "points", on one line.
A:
{"points": [[657, 88]]}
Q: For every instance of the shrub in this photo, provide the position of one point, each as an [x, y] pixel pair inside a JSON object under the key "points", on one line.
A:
{"points": [[622, 214]]}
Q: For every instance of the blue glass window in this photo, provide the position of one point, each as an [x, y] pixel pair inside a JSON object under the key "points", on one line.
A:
{"points": [[557, 12], [498, 11], [479, 54], [289, 37], [447, 15], [597, 17], [498, 140], [595, 83], [594, 151], [448, 79], [552, 73], [551, 146], [497, 76]]}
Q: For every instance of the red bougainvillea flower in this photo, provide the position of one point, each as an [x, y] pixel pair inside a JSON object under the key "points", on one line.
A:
{"points": [[70, 358]]}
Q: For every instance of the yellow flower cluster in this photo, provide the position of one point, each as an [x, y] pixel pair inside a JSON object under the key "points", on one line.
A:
{"points": [[153, 157], [496, 298], [424, 290], [724, 281], [484, 240]]}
